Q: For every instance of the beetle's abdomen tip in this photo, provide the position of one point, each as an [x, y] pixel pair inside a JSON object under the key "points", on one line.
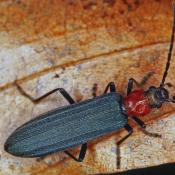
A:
{"points": [[6, 147]]}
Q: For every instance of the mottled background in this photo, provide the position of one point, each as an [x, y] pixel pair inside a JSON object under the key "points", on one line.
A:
{"points": [[75, 44]]}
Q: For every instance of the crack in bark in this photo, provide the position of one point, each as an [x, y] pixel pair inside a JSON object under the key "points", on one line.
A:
{"points": [[77, 62]]}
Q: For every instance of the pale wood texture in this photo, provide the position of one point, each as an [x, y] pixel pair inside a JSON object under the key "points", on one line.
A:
{"points": [[84, 42]]}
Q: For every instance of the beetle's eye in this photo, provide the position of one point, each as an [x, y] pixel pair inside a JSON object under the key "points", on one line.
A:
{"points": [[165, 94], [162, 94]]}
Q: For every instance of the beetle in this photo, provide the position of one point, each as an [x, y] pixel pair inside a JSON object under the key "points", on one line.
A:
{"points": [[78, 123]]}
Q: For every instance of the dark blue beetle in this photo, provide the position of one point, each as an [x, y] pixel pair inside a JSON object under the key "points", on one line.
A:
{"points": [[78, 123]]}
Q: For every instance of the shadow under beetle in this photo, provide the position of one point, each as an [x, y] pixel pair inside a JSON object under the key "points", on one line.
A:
{"points": [[78, 123]]}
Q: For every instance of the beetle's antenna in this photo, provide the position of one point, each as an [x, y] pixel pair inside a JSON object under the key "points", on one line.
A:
{"points": [[170, 49]]}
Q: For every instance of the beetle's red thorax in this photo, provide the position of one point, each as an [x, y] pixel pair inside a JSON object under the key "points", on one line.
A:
{"points": [[136, 103]]}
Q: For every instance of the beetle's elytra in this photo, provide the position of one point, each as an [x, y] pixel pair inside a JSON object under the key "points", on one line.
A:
{"points": [[79, 123], [60, 129]]}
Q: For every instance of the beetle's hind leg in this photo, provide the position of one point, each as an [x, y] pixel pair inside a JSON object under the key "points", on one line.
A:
{"points": [[37, 100], [81, 154], [71, 101], [80, 157]]}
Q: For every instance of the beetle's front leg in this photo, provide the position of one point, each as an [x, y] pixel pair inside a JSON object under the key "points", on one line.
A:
{"points": [[131, 82], [143, 126]]}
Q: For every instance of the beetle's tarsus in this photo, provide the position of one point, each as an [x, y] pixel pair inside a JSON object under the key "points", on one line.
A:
{"points": [[22, 92], [151, 134]]}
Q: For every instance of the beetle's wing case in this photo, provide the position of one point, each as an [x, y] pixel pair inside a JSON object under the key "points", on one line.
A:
{"points": [[68, 126]]}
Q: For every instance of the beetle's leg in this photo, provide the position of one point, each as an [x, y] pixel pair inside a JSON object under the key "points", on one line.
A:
{"points": [[80, 157], [81, 154], [110, 86], [146, 78], [94, 90], [71, 101], [37, 100], [131, 81], [143, 126], [130, 131]]}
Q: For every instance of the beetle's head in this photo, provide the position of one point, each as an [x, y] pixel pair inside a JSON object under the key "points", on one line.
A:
{"points": [[157, 96]]}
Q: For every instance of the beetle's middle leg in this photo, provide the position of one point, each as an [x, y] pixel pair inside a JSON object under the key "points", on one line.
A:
{"points": [[81, 154], [110, 86]]}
